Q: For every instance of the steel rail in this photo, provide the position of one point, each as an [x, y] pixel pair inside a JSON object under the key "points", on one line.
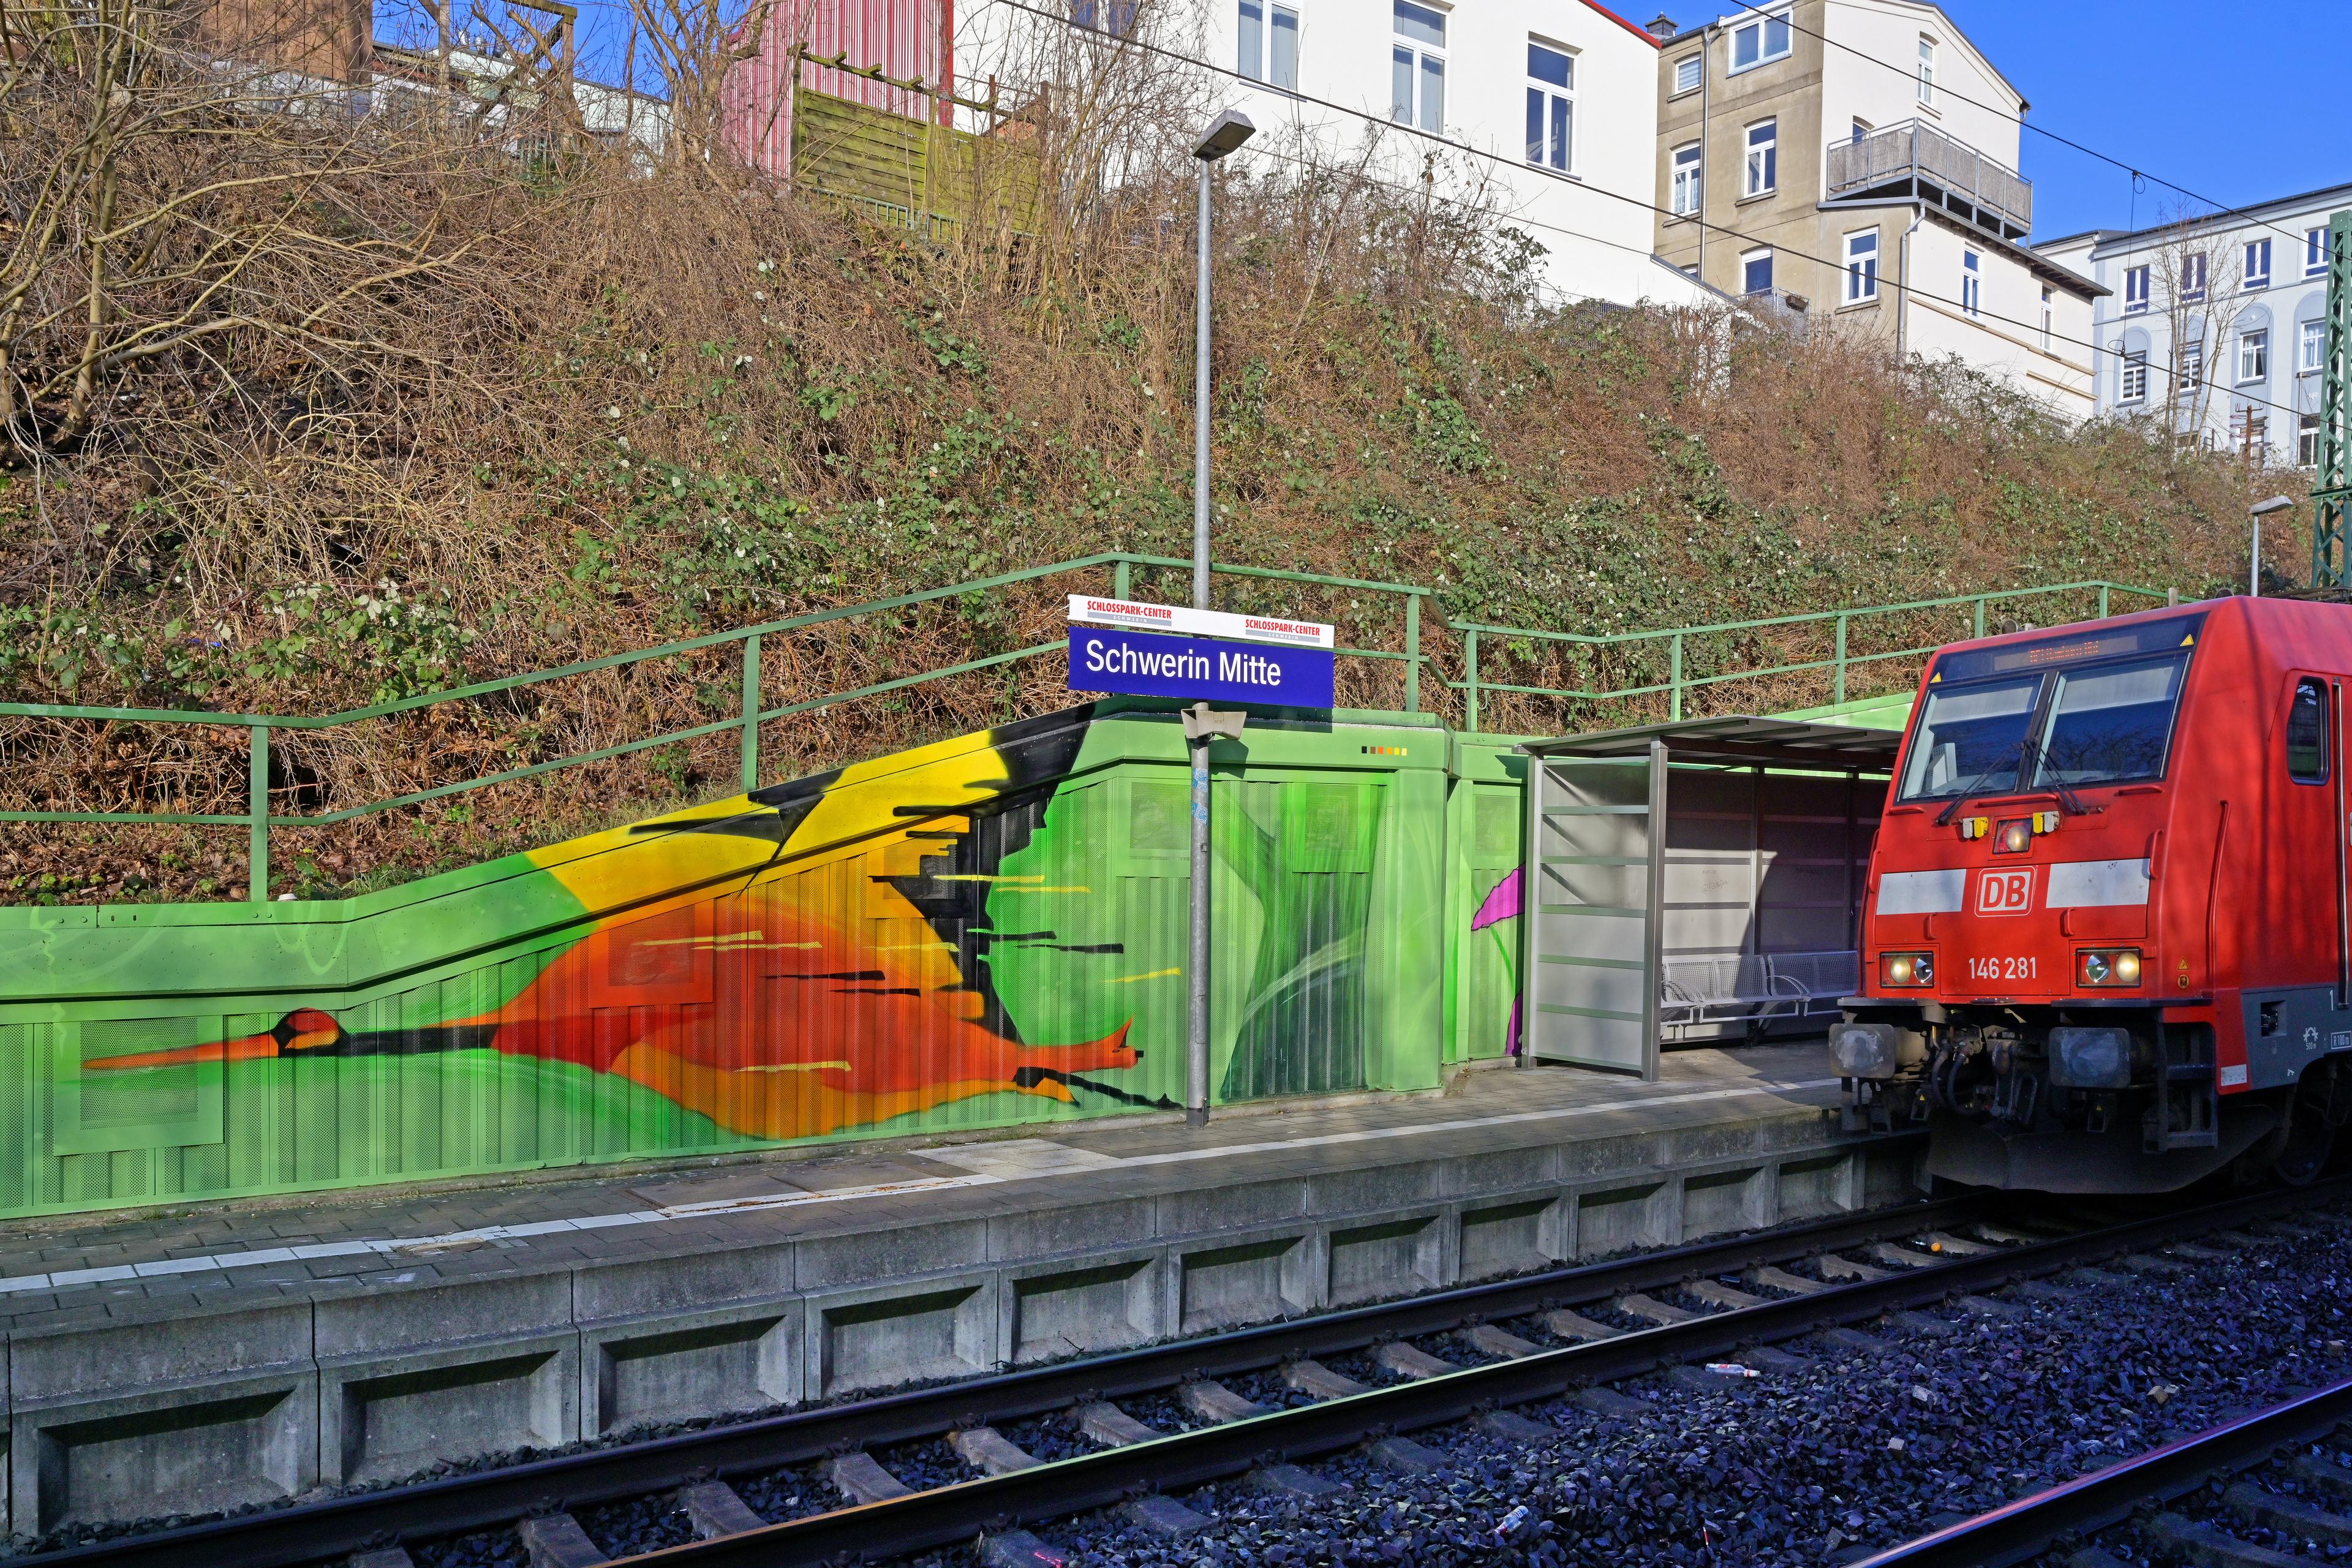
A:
{"points": [[459, 1504], [2028, 1527], [947, 1515]]}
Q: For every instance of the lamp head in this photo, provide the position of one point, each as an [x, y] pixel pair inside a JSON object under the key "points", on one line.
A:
{"points": [[1225, 133], [2276, 503]]}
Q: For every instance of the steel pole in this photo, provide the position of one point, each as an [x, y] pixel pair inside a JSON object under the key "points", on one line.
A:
{"points": [[1196, 1022], [2254, 562]]}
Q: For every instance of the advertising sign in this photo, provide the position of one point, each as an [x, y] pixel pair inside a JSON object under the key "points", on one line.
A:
{"points": [[1149, 664], [1086, 609]]}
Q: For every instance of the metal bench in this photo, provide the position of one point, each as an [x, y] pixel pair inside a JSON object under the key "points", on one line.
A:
{"points": [[1750, 989]]}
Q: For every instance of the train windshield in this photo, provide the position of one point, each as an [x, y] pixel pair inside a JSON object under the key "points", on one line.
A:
{"points": [[1971, 738], [2107, 726]]}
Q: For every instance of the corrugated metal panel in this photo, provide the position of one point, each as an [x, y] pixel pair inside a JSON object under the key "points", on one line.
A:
{"points": [[908, 40]]}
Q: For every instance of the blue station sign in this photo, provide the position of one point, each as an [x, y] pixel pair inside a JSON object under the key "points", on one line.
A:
{"points": [[1150, 664]]}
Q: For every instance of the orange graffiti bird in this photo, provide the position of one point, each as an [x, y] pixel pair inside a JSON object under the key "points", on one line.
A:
{"points": [[771, 1024]]}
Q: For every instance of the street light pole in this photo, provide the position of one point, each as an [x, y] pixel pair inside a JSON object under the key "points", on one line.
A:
{"points": [[1227, 132], [2258, 511]]}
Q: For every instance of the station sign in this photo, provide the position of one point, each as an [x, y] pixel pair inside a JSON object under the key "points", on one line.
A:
{"points": [[1158, 664], [1085, 609]]}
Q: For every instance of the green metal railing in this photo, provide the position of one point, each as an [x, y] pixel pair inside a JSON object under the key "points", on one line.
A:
{"points": [[1675, 640], [259, 822]]}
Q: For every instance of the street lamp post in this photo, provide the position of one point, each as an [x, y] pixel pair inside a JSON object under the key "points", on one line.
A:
{"points": [[2258, 511], [1227, 132]]}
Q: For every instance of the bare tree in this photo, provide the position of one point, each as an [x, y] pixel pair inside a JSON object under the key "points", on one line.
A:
{"points": [[2193, 271]]}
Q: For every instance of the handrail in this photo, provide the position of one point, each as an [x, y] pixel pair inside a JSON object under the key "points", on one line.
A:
{"points": [[260, 821]]}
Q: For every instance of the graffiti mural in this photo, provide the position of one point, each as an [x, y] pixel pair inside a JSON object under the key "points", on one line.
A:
{"points": [[990, 930]]}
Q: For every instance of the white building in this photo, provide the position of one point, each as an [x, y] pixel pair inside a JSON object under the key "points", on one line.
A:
{"points": [[2215, 326], [1909, 221], [1552, 103]]}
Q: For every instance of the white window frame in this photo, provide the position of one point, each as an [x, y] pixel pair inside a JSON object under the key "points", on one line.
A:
{"points": [[1553, 98], [1686, 184], [2306, 441], [2135, 289], [2315, 251], [1257, 51], [2253, 356], [1971, 283], [2194, 275], [2310, 347], [1927, 83], [2049, 316], [1861, 267], [1748, 258], [2131, 376], [1693, 66], [1760, 30], [2189, 365], [2256, 277], [1417, 56], [1769, 169]]}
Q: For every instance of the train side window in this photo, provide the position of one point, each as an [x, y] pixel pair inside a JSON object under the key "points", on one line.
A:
{"points": [[2306, 732]]}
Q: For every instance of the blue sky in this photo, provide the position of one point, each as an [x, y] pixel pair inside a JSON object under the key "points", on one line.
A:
{"points": [[2227, 99]]}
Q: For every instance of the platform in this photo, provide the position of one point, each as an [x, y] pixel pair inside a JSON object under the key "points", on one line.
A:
{"points": [[196, 1359]]}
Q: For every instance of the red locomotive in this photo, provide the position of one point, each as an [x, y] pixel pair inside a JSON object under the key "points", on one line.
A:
{"points": [[2106, 945]]}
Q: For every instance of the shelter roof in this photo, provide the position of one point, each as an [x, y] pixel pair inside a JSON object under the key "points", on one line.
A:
{"points": [[1740, 739]]}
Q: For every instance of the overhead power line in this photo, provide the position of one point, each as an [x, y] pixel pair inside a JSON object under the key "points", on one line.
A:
{"points": [[1385, 123]]}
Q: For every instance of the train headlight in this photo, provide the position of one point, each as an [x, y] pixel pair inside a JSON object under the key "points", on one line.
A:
{"points": [[2014, 837], [1875, 1050], [2108, 966], [1908, 968]]}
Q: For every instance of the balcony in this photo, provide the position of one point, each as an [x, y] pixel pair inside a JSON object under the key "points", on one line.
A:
{"points": [[1915, 161]]}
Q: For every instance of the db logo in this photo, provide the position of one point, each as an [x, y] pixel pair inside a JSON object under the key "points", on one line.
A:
{"points": [[2005, 892]]}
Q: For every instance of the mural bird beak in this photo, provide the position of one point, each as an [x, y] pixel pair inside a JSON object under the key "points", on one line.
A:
{"points": [[305, 1029]]}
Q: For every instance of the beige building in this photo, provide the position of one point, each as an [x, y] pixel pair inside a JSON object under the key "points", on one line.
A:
{"points": [[1852, 165]]}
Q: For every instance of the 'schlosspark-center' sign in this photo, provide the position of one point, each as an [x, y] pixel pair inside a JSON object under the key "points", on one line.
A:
{"points": [[1140, 650], [1085, 609]]}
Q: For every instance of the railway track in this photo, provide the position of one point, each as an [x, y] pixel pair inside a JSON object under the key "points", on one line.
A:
{"points": [[1541, 1336]]}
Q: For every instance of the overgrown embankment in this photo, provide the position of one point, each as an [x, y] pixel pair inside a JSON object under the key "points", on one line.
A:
{"points": [[618, 410]]}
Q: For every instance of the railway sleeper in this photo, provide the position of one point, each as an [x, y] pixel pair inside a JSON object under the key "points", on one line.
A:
{"points": [[713, 1510], [381, 1557], [1165, 1516], [1651, 1309], [1492, 1340], [2287, 1516], [1312, 1377], [1019, 1549], [556, 1540], [2190, 1541], [1715, 1293], [2319, 1475], [1215, 1402], [1406, 1362], [1109, 1426], [990, 1452], [860, 1477], [1781, 1279]]}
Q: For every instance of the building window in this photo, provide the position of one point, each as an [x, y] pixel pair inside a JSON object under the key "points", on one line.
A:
{"points": [[1116, 17], [2135, 289], [1972, 283], [2306, 441], [1687, 179], [1759, 42], [2315, 251], [1417, 74], [2049, 316], [2132, 380], [2192, 360], [2253, 356], [1277, 67], [1927, 70], [1688, 73], [1551, 107], [1755, 272], [2192, 275], [2311, 347], [1861, 267], [2249, 428], [2258, 264], [1861, 129], [1763, 157]]}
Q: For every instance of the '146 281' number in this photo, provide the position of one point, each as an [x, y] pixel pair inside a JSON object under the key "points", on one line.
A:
{"points": [[2001, 968]]}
